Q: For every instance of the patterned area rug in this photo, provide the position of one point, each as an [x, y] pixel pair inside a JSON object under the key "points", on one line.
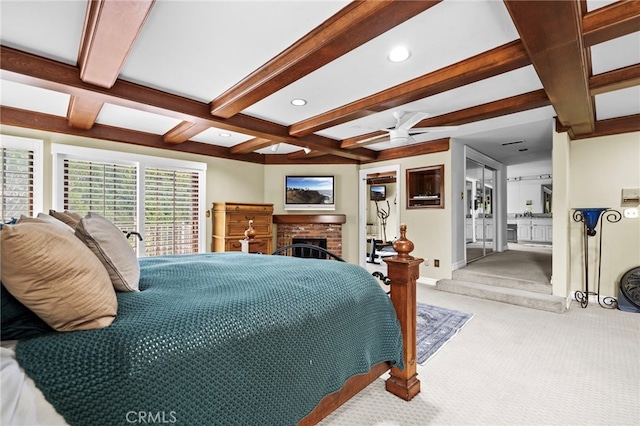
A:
{"points": [[436, 326]]}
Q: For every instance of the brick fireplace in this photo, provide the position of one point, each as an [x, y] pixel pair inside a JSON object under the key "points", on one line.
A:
{"points": [[307, 226]]}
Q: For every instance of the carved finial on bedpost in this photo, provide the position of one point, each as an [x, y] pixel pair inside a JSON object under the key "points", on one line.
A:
{"points": [[402, 246], [250, 233]]}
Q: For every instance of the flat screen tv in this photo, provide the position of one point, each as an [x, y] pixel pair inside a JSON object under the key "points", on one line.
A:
{"points": [[309, 193], [378, 192]]}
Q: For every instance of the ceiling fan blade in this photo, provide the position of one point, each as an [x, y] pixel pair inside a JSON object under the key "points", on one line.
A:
{"points": [[416, 130], [410, 119]]}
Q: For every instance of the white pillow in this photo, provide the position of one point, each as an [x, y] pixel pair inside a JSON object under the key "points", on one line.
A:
{"points": [[55, 221], [110, 245]]}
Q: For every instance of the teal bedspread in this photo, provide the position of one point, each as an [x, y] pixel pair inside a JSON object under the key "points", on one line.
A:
{"points": [[219, 338]]}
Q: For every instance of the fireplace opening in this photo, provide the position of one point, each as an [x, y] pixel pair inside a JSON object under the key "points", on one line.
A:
{"points": [[309, 253]]}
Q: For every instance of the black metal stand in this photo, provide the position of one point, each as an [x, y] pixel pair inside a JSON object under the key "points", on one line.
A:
{"points": [[590, 219]]}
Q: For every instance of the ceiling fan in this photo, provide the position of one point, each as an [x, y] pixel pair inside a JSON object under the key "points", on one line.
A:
{"points": [[403, 130]]}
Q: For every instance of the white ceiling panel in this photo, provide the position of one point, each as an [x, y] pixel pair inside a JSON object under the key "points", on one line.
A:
{"points": [[31, 98], [46, 28], [469, 28], [216, 43], [597, 4], [142, 121], [617, 53], [220, 137], [513, 83], [619, 103]]}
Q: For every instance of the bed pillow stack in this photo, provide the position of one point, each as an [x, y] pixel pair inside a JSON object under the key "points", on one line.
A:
{"points": [[65, 268]]}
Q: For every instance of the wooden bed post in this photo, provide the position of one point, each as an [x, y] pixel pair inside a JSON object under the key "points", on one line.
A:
{"points": [[403, 270]]}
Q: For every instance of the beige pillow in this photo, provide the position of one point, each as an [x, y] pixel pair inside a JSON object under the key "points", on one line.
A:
{"points": [[70, 218], [110, 245], [56, 276]]}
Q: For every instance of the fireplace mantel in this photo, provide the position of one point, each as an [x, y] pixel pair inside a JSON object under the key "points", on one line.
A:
{"points": [[310, 218]]}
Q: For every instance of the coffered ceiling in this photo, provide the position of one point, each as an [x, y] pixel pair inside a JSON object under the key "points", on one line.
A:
{"points": [[218, 77]]}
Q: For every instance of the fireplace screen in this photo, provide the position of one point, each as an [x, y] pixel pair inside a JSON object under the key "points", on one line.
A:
{"points": [[307, 252]]}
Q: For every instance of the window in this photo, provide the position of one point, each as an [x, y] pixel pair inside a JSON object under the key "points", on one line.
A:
{"points": [[171, 212], [20, 177], [159, 198], [105, 188]]}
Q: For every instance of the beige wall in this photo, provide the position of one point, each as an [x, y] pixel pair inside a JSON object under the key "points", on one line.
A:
{"points": [[561, 264], [599, 169], [227, 180], [428, 229], [346, 197]]}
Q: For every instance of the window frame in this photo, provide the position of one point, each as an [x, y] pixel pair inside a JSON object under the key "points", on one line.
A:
{"points": [[37, 146], [61, 152]]}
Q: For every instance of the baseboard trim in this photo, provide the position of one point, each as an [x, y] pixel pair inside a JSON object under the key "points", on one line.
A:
{"points": [[458, 265], [427, 281]]}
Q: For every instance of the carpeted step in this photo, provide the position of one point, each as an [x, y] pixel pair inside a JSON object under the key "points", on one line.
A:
{"points": [[467, 275], [514, 296]]}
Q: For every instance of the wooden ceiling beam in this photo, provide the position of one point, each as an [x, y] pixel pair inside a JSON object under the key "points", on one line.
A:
{"points": [[82, 112], [110, 29], [251, 145], [40, 72], [496, 61], [614, 126], [53, 123], [511, 105], [302, 154], [431, 147], [286, 159], [518, 103], [621, 78], [184, 131], [611, 21], [552, 35], [354, 25], [364, 140]]}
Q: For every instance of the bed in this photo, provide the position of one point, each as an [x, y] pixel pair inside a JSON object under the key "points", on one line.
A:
{"points": [[223, 338]]}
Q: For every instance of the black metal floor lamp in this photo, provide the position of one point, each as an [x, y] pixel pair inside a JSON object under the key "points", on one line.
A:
{"points": [[590, 217]]}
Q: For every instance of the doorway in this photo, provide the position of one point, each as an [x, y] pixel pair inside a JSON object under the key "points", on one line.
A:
{"points": [[379, 208], [480, 225]]}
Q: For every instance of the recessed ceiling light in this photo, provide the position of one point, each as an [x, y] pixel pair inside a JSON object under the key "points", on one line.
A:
{"points": [[298, 102], [399, 54], [523, 149], [225, 135]]}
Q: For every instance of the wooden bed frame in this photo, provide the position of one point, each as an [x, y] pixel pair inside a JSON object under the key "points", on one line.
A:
{"points": [[403, 271]]}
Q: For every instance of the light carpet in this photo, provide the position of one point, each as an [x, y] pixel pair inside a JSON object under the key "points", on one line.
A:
{"points": [[435, 327]]}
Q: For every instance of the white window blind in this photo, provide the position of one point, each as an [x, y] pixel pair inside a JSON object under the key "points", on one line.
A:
{"points": [[17, 181], [161, 198], [171, 218], [105, 188]]}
